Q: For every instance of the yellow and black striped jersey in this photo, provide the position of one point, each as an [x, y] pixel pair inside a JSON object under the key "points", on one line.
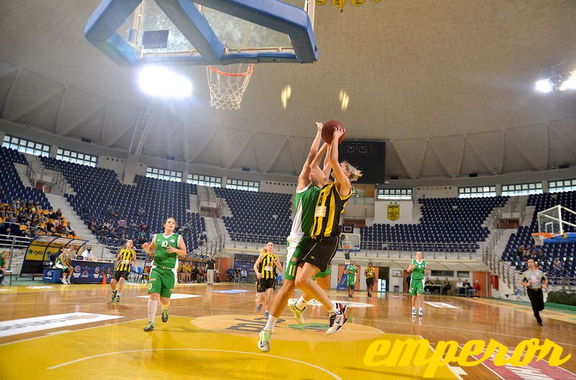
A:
{"points": [[267, 267], [125, 260], [329, 207]]}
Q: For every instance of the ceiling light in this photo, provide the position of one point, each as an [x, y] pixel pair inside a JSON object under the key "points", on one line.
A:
{"points": [[569, 83], [544, 85], [160, 82]]}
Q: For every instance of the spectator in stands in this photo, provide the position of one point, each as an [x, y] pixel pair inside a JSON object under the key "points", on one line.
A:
{"points": [[460, 291], [88, 254], [194, 274], [427, 286], [3, 265], [467, 288], [557, 268], [476, 289], [210, 266], [244, 275], [446, 287]]}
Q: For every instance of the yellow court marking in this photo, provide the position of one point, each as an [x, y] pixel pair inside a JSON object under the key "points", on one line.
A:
{"points": [[180, 349]]}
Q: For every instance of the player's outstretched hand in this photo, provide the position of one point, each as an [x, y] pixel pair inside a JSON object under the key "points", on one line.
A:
{"points": [[338, 132], [146, 246], [319, 126]]}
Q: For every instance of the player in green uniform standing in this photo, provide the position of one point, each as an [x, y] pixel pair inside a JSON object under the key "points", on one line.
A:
{"points": [[417, 269], [166, 247], [351, 271]]}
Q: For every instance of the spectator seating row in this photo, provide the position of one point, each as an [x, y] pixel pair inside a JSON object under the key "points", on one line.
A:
{"points": [[257, 217], [446, 225], [115, 212]]}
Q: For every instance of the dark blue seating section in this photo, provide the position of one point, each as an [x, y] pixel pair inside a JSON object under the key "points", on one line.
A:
{"points": [[10, 184], [257, 217], [562, 253], [132, 211], [446, 225]]}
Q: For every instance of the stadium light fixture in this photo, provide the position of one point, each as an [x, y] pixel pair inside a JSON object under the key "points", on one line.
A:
{"points": [[158, 81], [559, 79], [569, 83], [544, 86]]}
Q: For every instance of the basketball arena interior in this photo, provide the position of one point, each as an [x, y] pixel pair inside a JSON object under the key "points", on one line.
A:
{"points": [[118, 117]]}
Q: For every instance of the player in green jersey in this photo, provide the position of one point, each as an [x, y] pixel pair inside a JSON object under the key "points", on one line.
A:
{"points": [[417, 270], [304, 205], [166, 247], [351, 271]]}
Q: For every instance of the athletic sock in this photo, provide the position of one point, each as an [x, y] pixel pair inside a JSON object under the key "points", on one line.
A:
{"points": [[152, 304], [301, 303], [165, 307], [271, 323]]}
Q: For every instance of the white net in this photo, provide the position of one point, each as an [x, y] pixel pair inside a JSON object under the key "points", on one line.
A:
{"points": [[227, 85], [539, 238]]}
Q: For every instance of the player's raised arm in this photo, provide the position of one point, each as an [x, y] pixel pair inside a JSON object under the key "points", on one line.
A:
{"points": [[303, 178], [317, 176], [149, 247], [340, 176]]}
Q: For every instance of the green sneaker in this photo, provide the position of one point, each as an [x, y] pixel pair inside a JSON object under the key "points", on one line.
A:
{"points": [[150, 327], [117, 299], [264, 340], [114, 296], [165, 315]]}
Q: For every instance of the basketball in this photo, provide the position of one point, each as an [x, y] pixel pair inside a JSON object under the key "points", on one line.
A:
{"points": [[328, 130]]}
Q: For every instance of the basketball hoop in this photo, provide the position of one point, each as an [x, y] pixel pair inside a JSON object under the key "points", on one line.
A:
{"points": [[539, 238], [227, 87]]}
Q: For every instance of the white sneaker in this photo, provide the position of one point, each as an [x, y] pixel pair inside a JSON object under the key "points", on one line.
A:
{"points": [[337, 320], [413, 311], [64, 281], [264, 340], [421, 312]]}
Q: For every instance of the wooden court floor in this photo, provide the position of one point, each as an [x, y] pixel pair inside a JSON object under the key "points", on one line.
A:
{"points": [[58, 331]]}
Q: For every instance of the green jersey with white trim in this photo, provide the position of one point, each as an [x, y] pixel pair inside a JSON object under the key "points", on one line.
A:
{"points": [[418, 271], [163, 258], [304, 206]]}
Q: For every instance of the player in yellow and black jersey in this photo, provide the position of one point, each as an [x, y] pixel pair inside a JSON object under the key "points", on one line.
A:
{"points": [[124, 261], [325, 231], [265, 267]]}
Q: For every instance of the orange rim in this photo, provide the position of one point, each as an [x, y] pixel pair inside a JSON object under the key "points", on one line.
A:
{"points": [[544, 234], [227, 74]]}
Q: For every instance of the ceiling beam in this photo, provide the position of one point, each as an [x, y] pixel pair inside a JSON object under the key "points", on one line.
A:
{"points": [[277, 154]]}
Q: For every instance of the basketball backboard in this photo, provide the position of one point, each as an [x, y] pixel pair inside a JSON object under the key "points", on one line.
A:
{"points": [[202, 32]]}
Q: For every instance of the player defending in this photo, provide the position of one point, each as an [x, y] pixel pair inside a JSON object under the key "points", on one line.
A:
{"points": [[325, 231], [166, 247], [265, 269], [124, 261], [304, 204], [534, 280], [417, 270], [351, 271]]}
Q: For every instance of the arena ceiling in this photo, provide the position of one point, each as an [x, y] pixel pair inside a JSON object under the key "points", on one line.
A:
{"points": [[447, 83]]}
